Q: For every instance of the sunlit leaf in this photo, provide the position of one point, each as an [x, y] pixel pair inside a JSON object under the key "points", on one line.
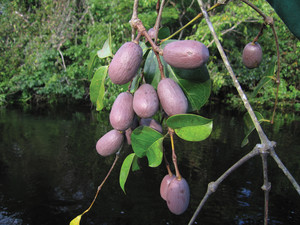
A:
{"points": [[97, 88], [105, 51], [90, 65], [125, 170], [135, 166], [249, 126], [76, 221], [190, 127], [155, 153], [146, 141]]}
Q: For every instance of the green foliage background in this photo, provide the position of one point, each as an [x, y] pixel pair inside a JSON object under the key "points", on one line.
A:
{"points": [[47, 45]]}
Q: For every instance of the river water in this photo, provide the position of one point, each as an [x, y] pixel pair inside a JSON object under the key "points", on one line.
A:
{"points": [[50, 171]]}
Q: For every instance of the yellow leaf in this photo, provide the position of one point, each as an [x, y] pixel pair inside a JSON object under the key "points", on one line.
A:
{"points": [[76, 221]]}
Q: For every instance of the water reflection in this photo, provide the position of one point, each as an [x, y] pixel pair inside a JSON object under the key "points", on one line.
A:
{"points": [[49, 172]]}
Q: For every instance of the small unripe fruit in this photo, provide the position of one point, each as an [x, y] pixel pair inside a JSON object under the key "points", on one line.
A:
{"points": [[151, 123], [122, 114], [145, 101], [186, 54], [151, 33], [178, 196], [110, 143], [252, 55], [165, 184], [171, 97], [125, 63]]}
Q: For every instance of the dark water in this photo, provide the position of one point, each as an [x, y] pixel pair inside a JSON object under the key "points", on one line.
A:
{"points": [[49, 172]]}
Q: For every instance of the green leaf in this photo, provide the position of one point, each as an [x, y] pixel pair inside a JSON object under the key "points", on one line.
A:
{"points": [[76, 221], [288, 11], [164, 32], [249, 126], [135, 166], [146, 141], [266, 79], [90, 65], [97, 88], [190, 127], [106, 50], [197, 92], [125, 170]]}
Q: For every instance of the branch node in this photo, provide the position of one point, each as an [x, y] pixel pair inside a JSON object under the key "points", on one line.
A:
{"points": [[212, 187], [266, 187], [269, 20]]}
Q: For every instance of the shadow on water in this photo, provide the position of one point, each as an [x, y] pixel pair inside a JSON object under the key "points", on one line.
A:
{"points": [[49, 172]]}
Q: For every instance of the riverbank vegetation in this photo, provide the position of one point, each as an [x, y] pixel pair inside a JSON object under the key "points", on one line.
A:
{"points": [[47, 47]]}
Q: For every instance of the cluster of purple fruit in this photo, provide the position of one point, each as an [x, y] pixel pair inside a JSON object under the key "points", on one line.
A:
{"points": [[145, 103]]}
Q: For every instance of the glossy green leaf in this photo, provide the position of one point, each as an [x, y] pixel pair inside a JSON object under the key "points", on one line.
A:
{"points": [[288, 11], [105, 51], [125, 170], [135, 166], [146, 141], [76, 221], [197, 92], [190, 127], [249, 126], [97, 88]]}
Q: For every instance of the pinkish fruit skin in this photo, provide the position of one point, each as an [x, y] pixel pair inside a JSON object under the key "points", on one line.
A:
{"points": [[151, 33], [186, 54], [145, 101], [110, 143], [252, 55], [151, 123], [171, 97], [125, 63], [178, 196], [122, 114], [165, 184]]}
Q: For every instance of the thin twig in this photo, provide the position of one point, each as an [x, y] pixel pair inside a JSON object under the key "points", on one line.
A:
{"points": [[158, 19], [174, 157], [266, 186], [212, 186]]}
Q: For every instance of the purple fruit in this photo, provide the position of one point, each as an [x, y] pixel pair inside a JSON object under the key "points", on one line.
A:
{"points": [[171, 97], [252, 55], [145, 101], [186, 54], [121, 114], [178, 196], [109, 143], [165, 184], [151, 33], [151, 123], [125, 63]]}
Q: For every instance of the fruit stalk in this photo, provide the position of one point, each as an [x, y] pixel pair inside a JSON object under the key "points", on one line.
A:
{"points": [[174, 157]]}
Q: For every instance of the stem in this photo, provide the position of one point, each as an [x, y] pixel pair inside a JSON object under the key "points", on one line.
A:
{"points": [[264, 139], [266, 186], [278, 70], [284, 170], [212, 186], [174, 157], [134, 16], [100, 186], [255, 8], [158, 19], [167, 163], [259, 34]]}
